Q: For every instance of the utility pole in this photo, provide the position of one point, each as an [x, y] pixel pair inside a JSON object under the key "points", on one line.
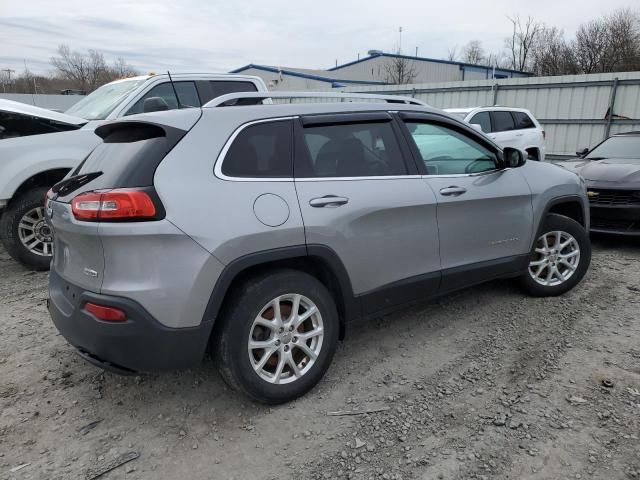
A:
{"points": [[8, 71], [400, 40]]}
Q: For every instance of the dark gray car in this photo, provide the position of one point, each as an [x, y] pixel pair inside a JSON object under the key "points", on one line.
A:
{"points": [[612, 173], [261, 230]]}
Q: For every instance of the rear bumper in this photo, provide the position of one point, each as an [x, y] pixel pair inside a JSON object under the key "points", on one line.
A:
{"points": [[139, 344]]}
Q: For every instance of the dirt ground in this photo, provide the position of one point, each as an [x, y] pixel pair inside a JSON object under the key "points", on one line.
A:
{"points": [[484, 384]]}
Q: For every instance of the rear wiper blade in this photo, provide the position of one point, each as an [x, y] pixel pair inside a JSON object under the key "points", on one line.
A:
{"points": [[70, 184]]}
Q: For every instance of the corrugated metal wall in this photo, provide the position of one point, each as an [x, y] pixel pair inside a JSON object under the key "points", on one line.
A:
{"points": [[573, 108], [59, 103]]}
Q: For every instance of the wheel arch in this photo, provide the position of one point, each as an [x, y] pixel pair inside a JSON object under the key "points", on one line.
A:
{"points": [[317, 260], [571, 206], [46, 178]]}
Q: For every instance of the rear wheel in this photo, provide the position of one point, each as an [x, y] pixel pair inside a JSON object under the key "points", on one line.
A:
{"points": [[278, 336], [560, 257], [25, 233]]}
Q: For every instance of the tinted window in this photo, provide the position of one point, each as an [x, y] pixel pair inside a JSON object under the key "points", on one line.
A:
{"points": [[624, 147], [350, 150], [261, 150], [483, 119], [522, 120], [502, 121], [186, 93], [447, 152]]}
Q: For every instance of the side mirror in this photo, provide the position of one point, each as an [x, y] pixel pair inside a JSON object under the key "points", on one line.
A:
{"points": [[154, 104], [513, 158], [476, 127], [583, 152]]}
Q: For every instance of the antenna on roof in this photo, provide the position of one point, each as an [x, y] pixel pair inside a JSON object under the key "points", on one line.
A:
{"points": [[174, 90]]}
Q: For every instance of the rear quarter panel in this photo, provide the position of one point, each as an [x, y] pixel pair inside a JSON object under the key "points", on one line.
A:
{"points": [[219, 214]]}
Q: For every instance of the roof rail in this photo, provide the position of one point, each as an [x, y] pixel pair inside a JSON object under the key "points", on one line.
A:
{"points": [[254, 98]]}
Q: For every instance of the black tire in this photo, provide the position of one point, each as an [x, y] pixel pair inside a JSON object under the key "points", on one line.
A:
{"points": [[553, 223], [9, 229], [232, 334]]}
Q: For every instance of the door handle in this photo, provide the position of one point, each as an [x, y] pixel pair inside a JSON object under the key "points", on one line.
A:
{"points": [[330, 201], [453, 190]]}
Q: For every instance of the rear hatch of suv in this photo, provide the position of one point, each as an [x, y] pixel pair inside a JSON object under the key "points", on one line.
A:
{"points": [[113, 184]]}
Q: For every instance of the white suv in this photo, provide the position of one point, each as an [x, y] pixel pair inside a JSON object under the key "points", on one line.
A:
{"points": [[38, 147], [508, 127]]}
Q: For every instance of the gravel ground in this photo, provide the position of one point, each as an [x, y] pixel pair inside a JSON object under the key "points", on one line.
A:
{"points": [[483, 384]]}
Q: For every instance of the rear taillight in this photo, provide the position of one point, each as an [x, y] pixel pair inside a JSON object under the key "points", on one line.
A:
{"points": [[120, 204], [102, 312]]}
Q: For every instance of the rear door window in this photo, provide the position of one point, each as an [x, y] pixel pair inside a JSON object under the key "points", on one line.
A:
{"points": [[522, 120], [186, 91], [502, 121], [350, 150], [483, 119], [262, 150]]}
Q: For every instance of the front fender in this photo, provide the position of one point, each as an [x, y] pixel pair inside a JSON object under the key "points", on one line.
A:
{"points": [[23, 157]]}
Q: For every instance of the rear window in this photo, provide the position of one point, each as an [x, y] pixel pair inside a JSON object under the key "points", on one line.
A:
{"points": [[262, 150], [502, 121], [127, 157], [350, 150], [522, 120]]}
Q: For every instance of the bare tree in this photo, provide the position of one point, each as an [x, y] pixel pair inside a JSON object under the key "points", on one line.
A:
{"points": [[590, 46], [452, 54], [87, 72], [121, 69], [521, 41], [551, 54], [473, 52], [399, 70]]}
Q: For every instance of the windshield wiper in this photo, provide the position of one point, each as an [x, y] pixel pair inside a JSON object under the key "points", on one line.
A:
{"points": [[67, 186], [595, 158]]}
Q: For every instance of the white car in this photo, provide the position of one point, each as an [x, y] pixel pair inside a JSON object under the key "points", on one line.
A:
{"points": [[38, 147], [507, 126]]}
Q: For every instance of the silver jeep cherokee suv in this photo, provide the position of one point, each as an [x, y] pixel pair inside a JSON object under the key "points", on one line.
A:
{"points": [[261, 227]]}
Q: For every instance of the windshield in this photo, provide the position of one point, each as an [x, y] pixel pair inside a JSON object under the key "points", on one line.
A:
{"points": [[101, 102], [626, 147]]}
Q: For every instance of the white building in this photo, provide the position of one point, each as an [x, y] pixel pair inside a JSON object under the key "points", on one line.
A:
{"points": [[374, 70]]}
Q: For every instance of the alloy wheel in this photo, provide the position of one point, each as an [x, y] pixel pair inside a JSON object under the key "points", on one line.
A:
{"points": [[34, 232], [555, 259], [285, 339]]}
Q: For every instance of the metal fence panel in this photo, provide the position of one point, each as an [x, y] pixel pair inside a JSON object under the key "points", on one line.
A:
{"points": [[576, 110]]}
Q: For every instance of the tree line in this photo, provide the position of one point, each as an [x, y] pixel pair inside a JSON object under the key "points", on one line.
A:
{"points": [[607, 44], [72, 70]]}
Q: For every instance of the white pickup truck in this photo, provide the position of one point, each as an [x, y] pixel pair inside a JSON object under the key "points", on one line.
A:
{"points": [[38, 147]]}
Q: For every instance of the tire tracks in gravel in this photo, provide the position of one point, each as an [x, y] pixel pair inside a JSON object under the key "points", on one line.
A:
{"points": [[435, 428]]}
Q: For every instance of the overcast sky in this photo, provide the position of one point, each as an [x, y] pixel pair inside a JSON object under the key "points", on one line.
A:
{"points": [[211, 35]]}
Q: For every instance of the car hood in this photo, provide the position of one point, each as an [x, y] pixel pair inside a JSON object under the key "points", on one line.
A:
{"points": [[32, 111], [607, 170]]}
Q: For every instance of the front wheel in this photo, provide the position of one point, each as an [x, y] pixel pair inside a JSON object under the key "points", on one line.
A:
{"points": [[278, 335], [560, 258], [25, 233]]}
